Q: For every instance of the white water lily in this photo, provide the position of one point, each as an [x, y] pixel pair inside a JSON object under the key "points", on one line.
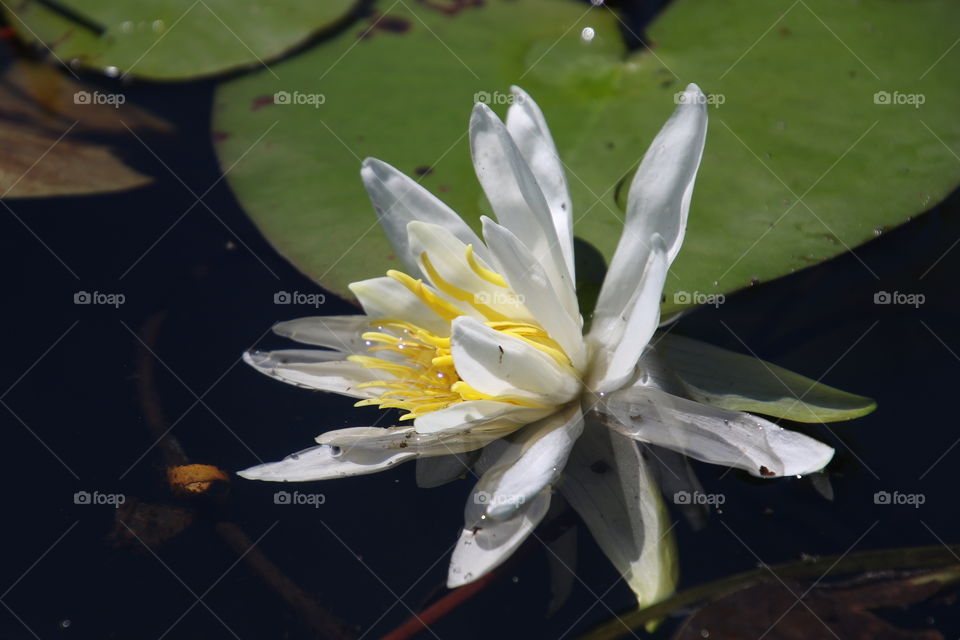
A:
{"points": [[480, 344]]}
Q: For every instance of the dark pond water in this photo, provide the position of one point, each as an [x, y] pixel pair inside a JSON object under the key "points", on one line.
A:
{"points": [[75, 420]]}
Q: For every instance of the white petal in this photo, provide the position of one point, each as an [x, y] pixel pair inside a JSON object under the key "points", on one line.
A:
{"points": [[447, 254], [324, 463], [529, 131], [355, 440], [386, 298], [478, 414], [619, 340], [334, 332], [434, 472], [608, 483], [714, 435], [658, 202], [528, 279], [743, 383], [675, 476], [500, 365], [533, 459], [313, 369], [398, 200], [362, 450], [516, 198], [482, 549]]}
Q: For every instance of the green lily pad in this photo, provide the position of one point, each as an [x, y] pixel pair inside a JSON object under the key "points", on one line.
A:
{"points": [[171, 39], [829, 123]]}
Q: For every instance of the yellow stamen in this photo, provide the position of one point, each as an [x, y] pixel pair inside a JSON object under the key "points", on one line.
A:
{"points": [[490, 276], [421, 374], [456, 292], [437, 304]]}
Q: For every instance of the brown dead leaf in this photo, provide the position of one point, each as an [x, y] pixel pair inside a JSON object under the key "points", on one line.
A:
{"points": [[35, 163], [771, 610], [44, 116], [140, 523], [194, 479], [51, 99]]}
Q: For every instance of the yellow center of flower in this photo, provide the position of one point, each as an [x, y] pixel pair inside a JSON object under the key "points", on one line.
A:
{"points": [[424, 375]]}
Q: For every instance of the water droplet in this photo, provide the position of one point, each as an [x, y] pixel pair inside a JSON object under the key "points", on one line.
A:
{"points": [[368, 343], [704, 633], [587, 34], [126, 26], [515, 579], [112, 72], [877, 231], [65, 624], [158, 26]]}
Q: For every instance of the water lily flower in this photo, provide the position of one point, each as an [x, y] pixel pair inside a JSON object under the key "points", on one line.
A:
{"points": [[479, 344]]}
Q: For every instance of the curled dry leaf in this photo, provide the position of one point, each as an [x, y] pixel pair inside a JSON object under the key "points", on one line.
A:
{"points": [[194, 479]]}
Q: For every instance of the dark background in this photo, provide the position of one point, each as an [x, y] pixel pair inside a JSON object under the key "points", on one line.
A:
{"points": [[74, 419]]}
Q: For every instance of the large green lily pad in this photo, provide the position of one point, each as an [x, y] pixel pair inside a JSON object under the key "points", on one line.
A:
{"points": [[171, 39], [816, 140]]}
